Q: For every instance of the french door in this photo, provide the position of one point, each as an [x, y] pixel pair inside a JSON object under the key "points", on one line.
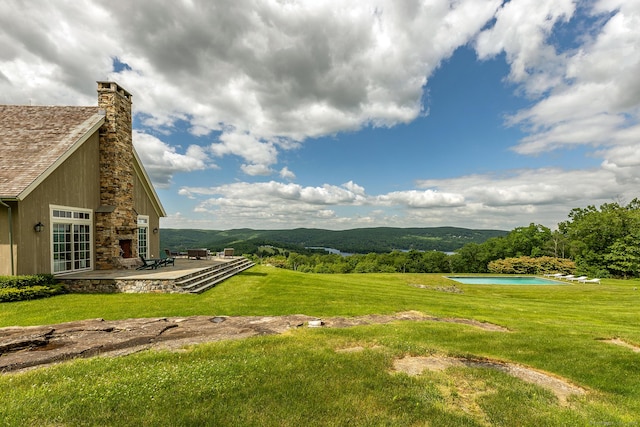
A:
{"points": [[72, 248]]}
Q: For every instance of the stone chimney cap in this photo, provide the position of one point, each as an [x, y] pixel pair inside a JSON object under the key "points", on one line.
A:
{"points": [[104, 86]]}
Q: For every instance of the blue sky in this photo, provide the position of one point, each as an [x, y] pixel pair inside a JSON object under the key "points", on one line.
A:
{"points": [[336, 114]]}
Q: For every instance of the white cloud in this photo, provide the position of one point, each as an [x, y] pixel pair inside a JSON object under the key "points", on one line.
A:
{"points": [[247, 146], [484, 201], [264, 74], [162, 161], [51, 53], [594, 92], [624, 162], [256, 170], [547, 195], [285, 173], [420, 199], [521, 31]]}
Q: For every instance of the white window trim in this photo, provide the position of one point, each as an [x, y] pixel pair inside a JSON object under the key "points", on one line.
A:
{"points": [[72, 221], [143, 222]]}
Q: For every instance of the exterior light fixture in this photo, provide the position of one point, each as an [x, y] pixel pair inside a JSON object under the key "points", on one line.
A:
{"points": [[155, 230], [39, 227]]}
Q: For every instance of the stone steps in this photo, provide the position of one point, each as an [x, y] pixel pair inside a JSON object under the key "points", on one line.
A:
{"points": [[207, 279]]}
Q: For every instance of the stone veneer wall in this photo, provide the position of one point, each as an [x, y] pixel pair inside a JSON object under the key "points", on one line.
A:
{"points": [[116, 219], [110, 286]]}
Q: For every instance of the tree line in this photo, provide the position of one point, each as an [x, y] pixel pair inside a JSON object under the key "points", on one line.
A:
{"points": [[597, 242], [360, 240]]}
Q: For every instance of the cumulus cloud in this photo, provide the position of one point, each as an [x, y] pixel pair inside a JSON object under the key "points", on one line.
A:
{"points": [[624, 162], [483, 201], [420, 199], [285, 173], [521, 31], [276, 204], [547, 195], [162, 161], [257, 72], [54, 56], [592, 93], [261, 77], [531, 187]]}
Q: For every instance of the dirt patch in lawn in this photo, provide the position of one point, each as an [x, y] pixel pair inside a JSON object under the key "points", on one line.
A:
{"points": [[25, 347], [560, 387], [341, 322], [618, 341]]}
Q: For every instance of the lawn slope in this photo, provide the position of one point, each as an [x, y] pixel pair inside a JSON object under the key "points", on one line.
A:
{"points": [[324, 376]]}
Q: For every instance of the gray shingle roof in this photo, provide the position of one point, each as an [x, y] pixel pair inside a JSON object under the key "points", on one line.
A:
{"points": [[33, 139]]}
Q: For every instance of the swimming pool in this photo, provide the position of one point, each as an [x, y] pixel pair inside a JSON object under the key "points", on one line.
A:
{"points": [[504, 280]]}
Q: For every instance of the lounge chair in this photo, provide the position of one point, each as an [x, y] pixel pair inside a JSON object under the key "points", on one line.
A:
{"points": [[148, 264], [577, 279], [590, 281], [169, 259], [198, 253]]}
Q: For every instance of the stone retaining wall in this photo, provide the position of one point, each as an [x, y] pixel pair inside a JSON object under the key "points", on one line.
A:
{"points": [[112, 286]]}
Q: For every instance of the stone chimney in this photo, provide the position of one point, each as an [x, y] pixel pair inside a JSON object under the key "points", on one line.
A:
{"points": [[116, 220]]}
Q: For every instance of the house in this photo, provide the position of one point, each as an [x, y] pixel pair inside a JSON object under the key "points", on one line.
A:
{"points": [[74, 195]]}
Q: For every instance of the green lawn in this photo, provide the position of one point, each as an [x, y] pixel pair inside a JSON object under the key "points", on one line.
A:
{"points": [[300, 379]]}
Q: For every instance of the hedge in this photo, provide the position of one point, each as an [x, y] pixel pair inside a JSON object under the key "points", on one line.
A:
{"points": [[532, 265], [18, 288]]}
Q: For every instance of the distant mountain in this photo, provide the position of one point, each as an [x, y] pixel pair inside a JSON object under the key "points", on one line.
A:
{"points": [[359, 240]]}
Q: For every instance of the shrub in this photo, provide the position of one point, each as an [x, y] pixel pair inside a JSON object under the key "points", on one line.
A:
{"points": [[18, 288], [26, 281], [532, 265]]}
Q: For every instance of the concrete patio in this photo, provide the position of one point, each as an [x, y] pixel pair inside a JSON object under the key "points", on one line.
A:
{"points": [[186, 276]]}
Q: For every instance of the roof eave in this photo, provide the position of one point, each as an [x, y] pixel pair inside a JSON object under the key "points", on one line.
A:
{"points": [[148, 187]]}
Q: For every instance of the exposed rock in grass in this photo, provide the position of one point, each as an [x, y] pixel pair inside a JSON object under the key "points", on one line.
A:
{"points": [[618, 341], [560, 387], [453, 289], [341, 322], [25, 347]]}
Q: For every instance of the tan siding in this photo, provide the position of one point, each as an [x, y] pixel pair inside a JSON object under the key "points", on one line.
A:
{"points": [[144, 206], [5, 254], [75, 184]]}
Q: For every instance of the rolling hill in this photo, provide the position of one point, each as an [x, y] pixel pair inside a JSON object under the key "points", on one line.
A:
{"points": [[360, 240]]}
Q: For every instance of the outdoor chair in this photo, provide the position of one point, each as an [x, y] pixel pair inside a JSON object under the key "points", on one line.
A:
{"points": [[148, 264], [198, 253], [169, 259], [554, 275]]}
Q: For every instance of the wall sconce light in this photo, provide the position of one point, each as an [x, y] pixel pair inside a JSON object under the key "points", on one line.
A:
{"points": [[155, 230], [39, 227]]}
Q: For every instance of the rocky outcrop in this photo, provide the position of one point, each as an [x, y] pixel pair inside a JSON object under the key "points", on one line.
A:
{"points": [[26, 347]]}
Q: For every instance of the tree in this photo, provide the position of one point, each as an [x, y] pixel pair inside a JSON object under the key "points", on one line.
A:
{"points": [[599, 238], [528, 241], [436, 262], [471, 258], [557, 245], [623, 258]]}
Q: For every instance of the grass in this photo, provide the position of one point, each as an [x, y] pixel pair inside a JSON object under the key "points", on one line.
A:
{"points": [[300, 379]]}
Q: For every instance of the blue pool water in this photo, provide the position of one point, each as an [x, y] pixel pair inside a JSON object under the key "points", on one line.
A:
{"points": [[506, 280]]}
